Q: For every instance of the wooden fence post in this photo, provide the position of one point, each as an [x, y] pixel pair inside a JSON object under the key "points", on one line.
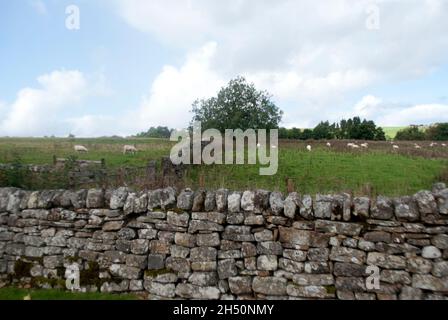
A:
{"points": [[289, 185], [201, 181], [151, 173]]}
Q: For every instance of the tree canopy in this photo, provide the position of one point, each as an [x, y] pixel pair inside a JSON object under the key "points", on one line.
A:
{"points": [[239, 105], [156, 132], [410, 133], [345, 129], [437, 132]]}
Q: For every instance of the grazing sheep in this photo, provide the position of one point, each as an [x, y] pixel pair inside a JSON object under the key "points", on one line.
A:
{"points": [[433, 144], [308, 147], [129, 149], [417, 146], [443, 144], [355, 146], [395, 147], [81, 149], [365, 145], [328, 144], [350, 144]]}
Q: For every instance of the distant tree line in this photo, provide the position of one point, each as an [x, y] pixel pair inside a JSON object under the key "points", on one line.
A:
{"points": [[345, 129], [240, 105], [354, 129], [155, 132], [436, 132]]}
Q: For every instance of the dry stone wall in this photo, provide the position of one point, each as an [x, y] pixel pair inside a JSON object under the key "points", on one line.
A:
{"points": [[227, 245]]}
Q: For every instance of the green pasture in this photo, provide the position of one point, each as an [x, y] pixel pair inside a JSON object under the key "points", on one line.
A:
{"points": [[378, 170]]}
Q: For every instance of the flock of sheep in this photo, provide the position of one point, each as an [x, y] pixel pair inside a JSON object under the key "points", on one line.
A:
{"points": [[133, 150], [365, 145], [349, 145], [126, 149]]}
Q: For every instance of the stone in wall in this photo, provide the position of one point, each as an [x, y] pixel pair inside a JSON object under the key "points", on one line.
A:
{"points": [[226, 244]]}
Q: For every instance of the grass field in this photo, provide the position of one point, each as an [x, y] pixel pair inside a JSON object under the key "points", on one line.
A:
{"points": [[42, 150], [52, 294], [323, 171], [380, 169], [391, 132]]}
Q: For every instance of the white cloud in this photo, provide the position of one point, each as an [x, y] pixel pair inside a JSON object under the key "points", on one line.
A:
{"points": [[316, 38], [95, 125], [310, 55], [175, 89], [168, 101], [37, 111], [313, 54], [171, 21], [308, 88], [368, 107], [2, 108], [39, 6], [418, 114], [393, 114]]}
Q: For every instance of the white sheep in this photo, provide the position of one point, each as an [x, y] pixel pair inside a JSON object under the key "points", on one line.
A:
{"points": [[395, 147], [417, 146], [433, 144], [328, 144], [80, 149], [365, 145], [129, 149], [443, 144], [352, 145], [308, 147]]}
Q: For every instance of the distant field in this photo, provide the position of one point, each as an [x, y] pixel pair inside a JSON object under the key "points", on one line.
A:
{"points": [[391, 132], [380, 169], [42, 150]]}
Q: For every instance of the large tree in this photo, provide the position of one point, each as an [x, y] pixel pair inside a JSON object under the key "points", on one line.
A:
{"points": [[410, 133], [324, 131], [239, 105], [438, 131]]}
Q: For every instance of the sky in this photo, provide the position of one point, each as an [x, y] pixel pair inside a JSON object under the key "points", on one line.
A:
{"points": [[132, 64]]}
